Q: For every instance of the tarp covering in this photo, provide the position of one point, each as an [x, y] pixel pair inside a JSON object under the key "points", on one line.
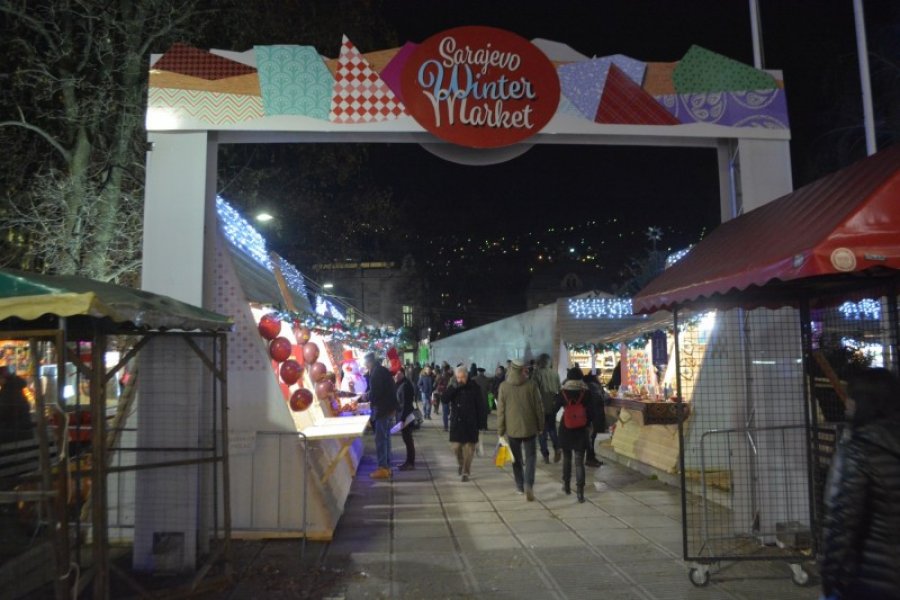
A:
{"points": [[846, 222], [30, 296]]}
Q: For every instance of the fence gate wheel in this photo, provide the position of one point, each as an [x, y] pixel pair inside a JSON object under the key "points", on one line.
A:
{"points": [[699, 575], [798, 575]]}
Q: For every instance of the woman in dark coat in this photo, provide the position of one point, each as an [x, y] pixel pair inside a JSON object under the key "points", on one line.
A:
{"points": [[574, 440], [861, 530], [598, 400], [465, 405]]}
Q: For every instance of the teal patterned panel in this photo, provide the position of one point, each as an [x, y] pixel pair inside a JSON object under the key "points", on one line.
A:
{"points": [[294, 81]]}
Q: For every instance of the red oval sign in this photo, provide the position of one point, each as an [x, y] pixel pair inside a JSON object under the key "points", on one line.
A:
{"points": [[480, 87]]}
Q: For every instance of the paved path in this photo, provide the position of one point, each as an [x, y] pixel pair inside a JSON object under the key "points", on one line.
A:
{"points": [[429, 535]]}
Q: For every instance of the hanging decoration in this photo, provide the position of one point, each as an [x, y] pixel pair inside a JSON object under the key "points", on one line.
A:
{"points": [[600, 308], [637, 343], [280, 349], [269, 327], [301, 399], [310, 352], [290, 371], [363, 337], [318, 372]]}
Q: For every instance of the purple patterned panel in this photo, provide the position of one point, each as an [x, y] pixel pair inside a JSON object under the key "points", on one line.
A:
{"points": [[583, 82], [757, 108]]}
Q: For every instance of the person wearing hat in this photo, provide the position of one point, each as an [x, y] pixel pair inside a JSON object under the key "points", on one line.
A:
{"points": [[382, 395], [547, 381], [520, 418], [574, 431]]}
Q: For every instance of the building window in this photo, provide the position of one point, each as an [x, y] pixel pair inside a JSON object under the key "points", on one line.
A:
{"points": [[407, 316]]}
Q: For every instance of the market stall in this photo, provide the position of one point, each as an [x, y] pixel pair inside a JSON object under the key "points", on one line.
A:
{"points": [[804, 290], [296, 400], [82, 347]]}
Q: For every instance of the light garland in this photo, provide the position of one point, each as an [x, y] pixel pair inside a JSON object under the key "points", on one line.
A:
{"points": [[292, 277], [364, 337], [867, 308], [637, 343], [600, 308], [326, 308], [676, 256]]}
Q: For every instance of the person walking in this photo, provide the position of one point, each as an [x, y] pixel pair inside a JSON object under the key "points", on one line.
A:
{"points": [[547, 381], [496, 380], [520, 418], [406, 402], [484, 384], [861, 529], [442, 384], [464, 405], [426, 387], [15, 412], [598, 402], [382, 395], [574, 429]]}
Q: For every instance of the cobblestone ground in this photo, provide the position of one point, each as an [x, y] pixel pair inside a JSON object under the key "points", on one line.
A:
{"points": [[426, 534]]}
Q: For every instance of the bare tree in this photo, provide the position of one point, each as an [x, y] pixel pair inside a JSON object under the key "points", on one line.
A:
{"points": [[71, 126]]}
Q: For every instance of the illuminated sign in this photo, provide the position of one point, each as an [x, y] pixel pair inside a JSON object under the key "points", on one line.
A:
{"points": [[480, 87]]}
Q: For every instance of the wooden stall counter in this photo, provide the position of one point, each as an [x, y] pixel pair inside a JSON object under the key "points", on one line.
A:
{"points": [[647, 431]]}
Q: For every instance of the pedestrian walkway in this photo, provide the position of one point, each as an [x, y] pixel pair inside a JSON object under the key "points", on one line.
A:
{"points": [[426, 534]]}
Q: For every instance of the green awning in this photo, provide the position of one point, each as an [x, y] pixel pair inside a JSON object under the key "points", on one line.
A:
{"points": [[31, 296]]}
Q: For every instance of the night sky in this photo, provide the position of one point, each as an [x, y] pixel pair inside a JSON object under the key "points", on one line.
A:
{"points": [[611, 195]]}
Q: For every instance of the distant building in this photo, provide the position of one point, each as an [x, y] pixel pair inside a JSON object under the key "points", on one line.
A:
{"points": [[563, 280], [385, 292]]}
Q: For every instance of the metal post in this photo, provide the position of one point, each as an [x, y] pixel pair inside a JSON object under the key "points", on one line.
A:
{"points": [[99, 468], [756, 35], [811, 420], [862, 50], [226, 476], [681, 449]]}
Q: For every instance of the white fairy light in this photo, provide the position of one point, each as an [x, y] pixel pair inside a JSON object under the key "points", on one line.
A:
{"points": [[600, 308], [867, 308]]}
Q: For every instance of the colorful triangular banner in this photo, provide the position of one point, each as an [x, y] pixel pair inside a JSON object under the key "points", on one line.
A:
{"points": [[625, 102], [360, 95]]}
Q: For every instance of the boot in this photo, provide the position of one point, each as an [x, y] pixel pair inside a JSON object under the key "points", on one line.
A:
{"points": [[380, 473], [579, 491], [566, 488], [557, 455]]}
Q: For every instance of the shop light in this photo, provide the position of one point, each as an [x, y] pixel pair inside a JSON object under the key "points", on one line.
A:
{"points": [[867, 308], [327, 286], [264, 217], [600, 308]]}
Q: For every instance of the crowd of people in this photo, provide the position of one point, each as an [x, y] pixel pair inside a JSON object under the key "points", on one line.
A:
{"points": [[527, 398]]}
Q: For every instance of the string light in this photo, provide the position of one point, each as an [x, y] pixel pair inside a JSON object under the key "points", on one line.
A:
{"points": [[676, 256], [867, 308], [600, 308]]}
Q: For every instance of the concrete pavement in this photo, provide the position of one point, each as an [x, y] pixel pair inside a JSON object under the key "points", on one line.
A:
{"points": [[426, 534]]}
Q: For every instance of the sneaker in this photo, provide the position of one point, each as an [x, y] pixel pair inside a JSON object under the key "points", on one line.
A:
{"points": [[529, 495], [380, 473], [519, 492], [580, 493], [406, 467], [465, 478], [557, 455], [592, 462]]}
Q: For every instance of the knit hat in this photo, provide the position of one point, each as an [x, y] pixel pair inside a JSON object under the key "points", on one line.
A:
{"points": [[516, 364], [574, 373]]}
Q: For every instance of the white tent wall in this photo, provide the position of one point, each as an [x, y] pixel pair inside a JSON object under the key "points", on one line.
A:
{"points": [[523, 336]]}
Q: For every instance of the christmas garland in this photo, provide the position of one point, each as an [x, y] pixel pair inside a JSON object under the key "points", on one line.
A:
{"points": [[638, 343], [364, 337]]}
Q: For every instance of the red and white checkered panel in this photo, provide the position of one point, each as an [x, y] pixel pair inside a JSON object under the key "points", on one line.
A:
{"points": [[360, 95]]}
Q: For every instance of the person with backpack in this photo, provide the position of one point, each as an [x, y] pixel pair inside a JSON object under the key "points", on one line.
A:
{"points": [[574, 429]]}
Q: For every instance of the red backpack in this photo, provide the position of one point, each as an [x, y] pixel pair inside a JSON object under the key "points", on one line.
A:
{"points": [[574, 412]]}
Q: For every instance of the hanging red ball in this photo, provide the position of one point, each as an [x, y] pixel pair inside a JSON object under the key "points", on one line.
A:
{"points": [[310, 352], [269, 327], [324, 389], [280, 349], [303, 335], [290, 371], [317, 372], [301, 400]]}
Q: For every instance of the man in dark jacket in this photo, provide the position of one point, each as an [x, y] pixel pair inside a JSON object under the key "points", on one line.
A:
{"points": [[15, 413], [383, 399], [465, 405], [861, 530], [406, 400], [485, 385], [598, 400]]}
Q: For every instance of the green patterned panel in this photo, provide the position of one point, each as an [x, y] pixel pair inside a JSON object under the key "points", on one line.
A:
{"points": [[294, 81], [703, 70]]}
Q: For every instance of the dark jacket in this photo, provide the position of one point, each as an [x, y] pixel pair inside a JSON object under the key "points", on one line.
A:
{"points": [[406, 396], [598, 401], [426, 386], [382, 392], [465, 405], [575, 439], [861, 534], [15, 413]]}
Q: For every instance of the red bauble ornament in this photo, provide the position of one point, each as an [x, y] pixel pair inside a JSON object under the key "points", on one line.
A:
{"points": [[303, 335], [317, 372], [324, 389], [280, 349], [310, 352], [301, 400], [269, 327], [290, 371]]}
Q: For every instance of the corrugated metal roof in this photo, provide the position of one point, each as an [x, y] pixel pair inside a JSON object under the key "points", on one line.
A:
{"points": [[846, 222]]}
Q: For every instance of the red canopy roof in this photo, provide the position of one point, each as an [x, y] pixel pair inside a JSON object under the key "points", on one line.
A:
{"points": [[846, 222]]}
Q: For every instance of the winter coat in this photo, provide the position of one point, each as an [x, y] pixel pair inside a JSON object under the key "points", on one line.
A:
{"points": [[598, 401], [575, 439], [484, 385], [520, 413], [465, 408], [406, 396], [547, 381], [861, 534], [382, 392], [441, 385], [426, 386]]}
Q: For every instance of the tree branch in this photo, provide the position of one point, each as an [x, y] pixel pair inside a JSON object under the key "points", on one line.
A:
{"points": [[47, 137]]}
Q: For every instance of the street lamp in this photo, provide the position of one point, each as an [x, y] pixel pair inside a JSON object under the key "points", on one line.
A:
{"points": [[264, 217], [327, 286]]}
